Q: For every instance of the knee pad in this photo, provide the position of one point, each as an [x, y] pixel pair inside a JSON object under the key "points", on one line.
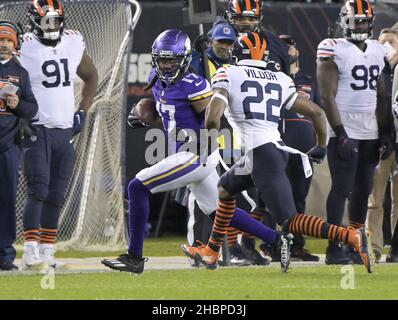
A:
{"points": [[38, 190]]}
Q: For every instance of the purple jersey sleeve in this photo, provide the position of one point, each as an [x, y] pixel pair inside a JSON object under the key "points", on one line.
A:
{"points": [[196, 87]]}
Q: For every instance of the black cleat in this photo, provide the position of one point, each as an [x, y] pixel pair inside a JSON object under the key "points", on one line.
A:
{"points": [[354, 256], [238, 257], [301, 254], [8, 266], [126, 262], [392, 258], [335, 255], [256, 258]]}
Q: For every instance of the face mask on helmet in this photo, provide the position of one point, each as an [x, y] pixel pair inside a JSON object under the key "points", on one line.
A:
{"points": [[171, 55], [47, 20], [356, 20], [244, 16]]}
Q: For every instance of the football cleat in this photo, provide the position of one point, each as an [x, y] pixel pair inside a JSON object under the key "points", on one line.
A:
{"points": [[203, 254], [126, 262], [31, 260], [283, 243], [248, 247], [363, 247], [46, 253], [8, 266], [302, 254], [238, 258], [335, 255]]}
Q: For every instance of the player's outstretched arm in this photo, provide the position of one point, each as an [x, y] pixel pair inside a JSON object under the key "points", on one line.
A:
{"points": [[88, 73]]}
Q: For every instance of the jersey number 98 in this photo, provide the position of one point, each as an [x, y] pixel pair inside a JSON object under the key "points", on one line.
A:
{"points": [[365, 76]]}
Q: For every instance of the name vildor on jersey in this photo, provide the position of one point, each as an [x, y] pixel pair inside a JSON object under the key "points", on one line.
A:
{"points": [[259, 74]]}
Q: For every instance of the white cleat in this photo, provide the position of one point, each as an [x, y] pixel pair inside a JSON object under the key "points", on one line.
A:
{"points": [[31, 259], [47, 256]]}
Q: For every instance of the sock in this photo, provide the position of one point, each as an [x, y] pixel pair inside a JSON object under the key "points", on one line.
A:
{"points": [[244, 222], [31, 235], [232, 236], [48, 236], [138, 215], [224, 213], [256, 214], [316, 227]]}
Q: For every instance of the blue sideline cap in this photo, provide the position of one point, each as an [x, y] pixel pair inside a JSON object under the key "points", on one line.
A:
{"points": [[223, 32]]}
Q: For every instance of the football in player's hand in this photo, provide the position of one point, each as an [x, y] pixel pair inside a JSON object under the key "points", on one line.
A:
{"points": [[145, 110]]}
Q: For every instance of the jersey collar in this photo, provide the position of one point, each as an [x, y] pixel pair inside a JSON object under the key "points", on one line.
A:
{"points": [[252, 63]]}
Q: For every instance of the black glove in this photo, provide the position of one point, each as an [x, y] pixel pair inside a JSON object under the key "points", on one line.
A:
{"points": [[133, 121], [345, 148], [386, 142], [79, 119], [201, 43], [317, 154]]}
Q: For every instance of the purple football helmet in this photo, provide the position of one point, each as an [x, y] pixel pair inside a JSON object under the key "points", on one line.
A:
{"points": [[171, 55]]}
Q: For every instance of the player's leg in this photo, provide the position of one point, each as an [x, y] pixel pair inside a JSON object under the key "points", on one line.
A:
{"points": [[199, 225], [61, 169], [300, 187], [369, 156], [342, 174], [249, 240], [174, 172], [232, 182], [274, 188], [36, 168], [9, 165]]}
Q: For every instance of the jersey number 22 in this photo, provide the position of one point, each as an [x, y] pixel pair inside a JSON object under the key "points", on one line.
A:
{"points": [[259, 97]]}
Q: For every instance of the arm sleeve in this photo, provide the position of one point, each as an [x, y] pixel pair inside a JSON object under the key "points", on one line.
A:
{"points": [[221, 80], [326, 50], [27, 107]]}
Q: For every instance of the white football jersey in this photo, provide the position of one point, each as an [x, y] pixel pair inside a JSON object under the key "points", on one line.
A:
{"points": [[52, 71], [256, 97], [359, 72]]}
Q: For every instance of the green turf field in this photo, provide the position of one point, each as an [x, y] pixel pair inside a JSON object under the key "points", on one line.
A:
{"points": [[323, 282], [301, 282]]}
